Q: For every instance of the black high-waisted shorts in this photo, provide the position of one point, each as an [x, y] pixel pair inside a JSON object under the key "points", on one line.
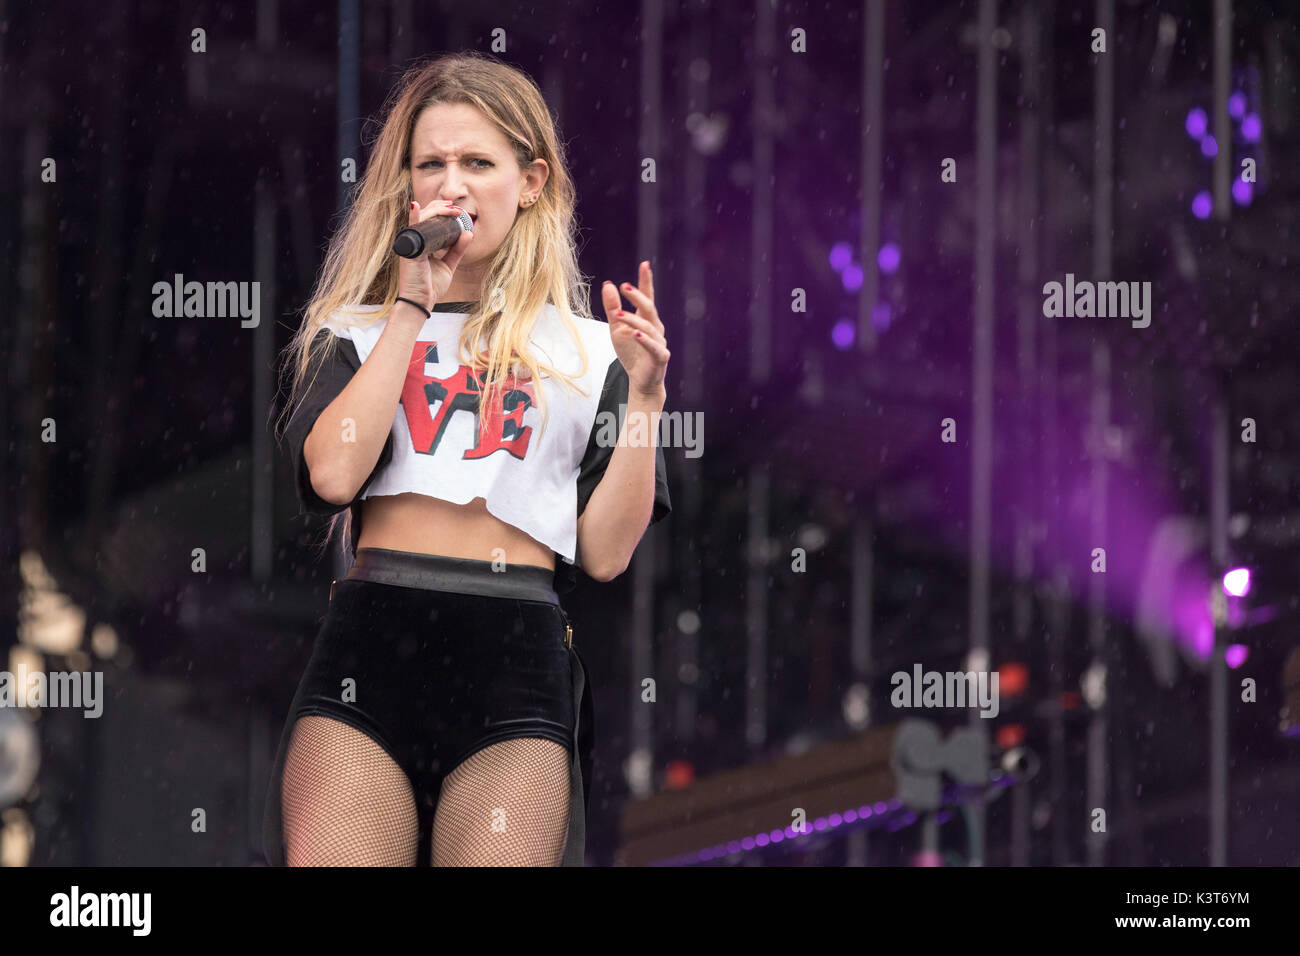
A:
{"points": [[444, 656]]}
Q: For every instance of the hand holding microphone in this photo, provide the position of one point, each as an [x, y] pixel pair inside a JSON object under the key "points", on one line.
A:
{"points": [[430, 248]]}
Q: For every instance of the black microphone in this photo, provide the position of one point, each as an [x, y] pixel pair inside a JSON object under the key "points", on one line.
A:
{"points": [[434, 233]]}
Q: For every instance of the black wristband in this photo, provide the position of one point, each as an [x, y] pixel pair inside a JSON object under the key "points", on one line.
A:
{"points": [[417, 305]]}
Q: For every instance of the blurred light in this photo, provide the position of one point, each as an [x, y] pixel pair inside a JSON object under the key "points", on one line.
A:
{"points": [[1235, 655], [1237, 582], [881, 316], [1013, 678], [1197, 122], [1237, 105], [1242, 192], [851, 276], [1011, 735], [841, 256], [888, 258], [842, 334], [17, 838], [679, 774], [927, 858], [856, 706], [1070, 699], [1204, 639], [1202, 204], [1209, 146], [49, 621], [688, 622], [103, 641], [1251, 127]]}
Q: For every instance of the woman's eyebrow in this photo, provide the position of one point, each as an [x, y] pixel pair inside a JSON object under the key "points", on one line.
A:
{"points": [[433, 154]]}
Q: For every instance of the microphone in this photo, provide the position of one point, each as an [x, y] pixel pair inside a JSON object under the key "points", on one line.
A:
{"points": [[436, 232]]}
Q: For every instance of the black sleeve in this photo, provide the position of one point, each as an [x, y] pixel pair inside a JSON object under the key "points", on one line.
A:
{"points": [[596, 459], [326, 378]]}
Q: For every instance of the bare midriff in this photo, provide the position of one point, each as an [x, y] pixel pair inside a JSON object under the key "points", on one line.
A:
{"points": [[425, 525]]}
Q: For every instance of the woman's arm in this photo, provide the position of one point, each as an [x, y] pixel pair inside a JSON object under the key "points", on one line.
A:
{"points": [[340, 458], [619, 511]]}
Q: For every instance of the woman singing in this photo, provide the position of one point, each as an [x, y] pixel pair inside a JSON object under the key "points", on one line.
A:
{"points": [[478, 432]]}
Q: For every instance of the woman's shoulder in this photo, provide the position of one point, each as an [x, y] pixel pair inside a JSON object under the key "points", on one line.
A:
{"points": [[342, 320], [593, 333]]}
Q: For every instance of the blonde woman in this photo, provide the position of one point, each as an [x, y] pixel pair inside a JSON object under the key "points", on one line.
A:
{"points": [[479, 433]]}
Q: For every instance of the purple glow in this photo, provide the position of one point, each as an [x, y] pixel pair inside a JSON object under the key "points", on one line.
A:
{"points": [[819, 823], [842, 334], [1242, 192], [733, 847], [1202, 205], [761, 840], [888, 258], [836, 819], [747, 843], [1209, 146], [776, 836], [864, 812], [1251, 127], [1237, 582], [1236, 655], [1203, 642], [851, 277], [1197, 122], [881, 806], [881, 316], [841, 256], [1237, 105]]}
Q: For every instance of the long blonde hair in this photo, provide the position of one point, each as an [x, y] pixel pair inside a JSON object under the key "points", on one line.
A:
{"points": [[536, 264]]}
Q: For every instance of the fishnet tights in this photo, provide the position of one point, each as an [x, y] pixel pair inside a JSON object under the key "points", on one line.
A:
{"points": [[345, 802]]}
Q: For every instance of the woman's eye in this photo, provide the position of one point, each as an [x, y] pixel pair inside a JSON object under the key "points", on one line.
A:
{"points": [[487, 163]]}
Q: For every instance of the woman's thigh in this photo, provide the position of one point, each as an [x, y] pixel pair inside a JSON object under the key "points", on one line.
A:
{"points": [[345, 801]]}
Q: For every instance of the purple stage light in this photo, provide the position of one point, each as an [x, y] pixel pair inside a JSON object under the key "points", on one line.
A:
{"points": [[1209, 146], [842, 334], [1237, 582], [1242, 192], [888, 258], [1197, 122], [851, 276], [1202, 204], [841, 256], [1204, 640], [1251, 127], [1235, 655], [1237, 105]]}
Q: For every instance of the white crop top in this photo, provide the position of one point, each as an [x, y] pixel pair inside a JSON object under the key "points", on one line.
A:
{"points": [[538, 482]]}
